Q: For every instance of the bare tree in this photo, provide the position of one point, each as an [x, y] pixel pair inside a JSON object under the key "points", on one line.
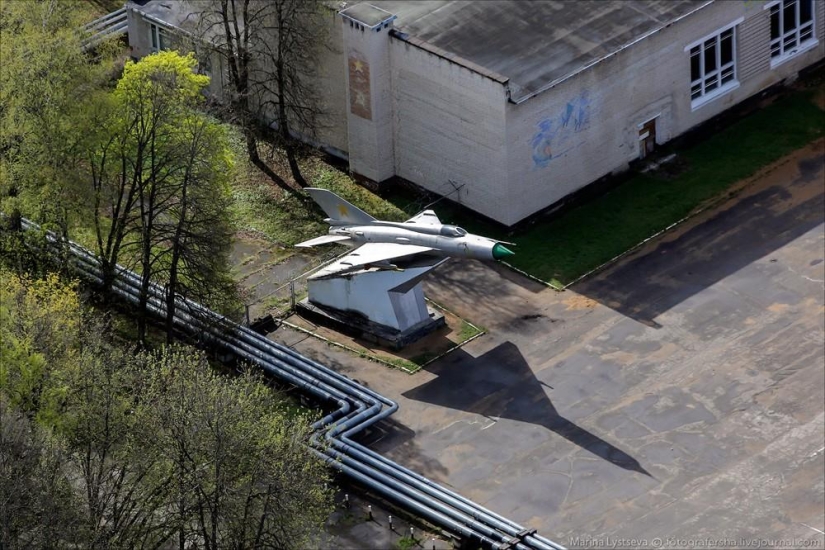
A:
{"points": [[115, 185], [37, 505], [198, 230], [111, 437], [271, 49]]}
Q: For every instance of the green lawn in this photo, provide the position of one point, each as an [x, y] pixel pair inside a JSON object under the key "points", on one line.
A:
{"points": [[260, 207], [562, 249]]}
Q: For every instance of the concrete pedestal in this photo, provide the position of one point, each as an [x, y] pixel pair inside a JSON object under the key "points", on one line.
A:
{"points": [[381, 305], [358, 326]]}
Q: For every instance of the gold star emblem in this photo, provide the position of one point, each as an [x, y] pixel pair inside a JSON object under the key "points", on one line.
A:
{"points": [[342, 209], [358, 66]]}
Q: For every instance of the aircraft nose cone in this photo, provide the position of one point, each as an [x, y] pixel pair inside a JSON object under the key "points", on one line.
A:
{"points": [[500, 252]]}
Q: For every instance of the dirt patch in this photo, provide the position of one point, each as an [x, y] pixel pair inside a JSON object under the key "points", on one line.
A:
{"points": [[669, 169], [778, 308], [263, 270], [578, 302]]}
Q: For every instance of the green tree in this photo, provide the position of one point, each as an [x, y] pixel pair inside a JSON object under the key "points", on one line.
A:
{"points": [[104, 449], [142, 163], [180, 163], [46, 85], [245, 477], [67, 414], [40, 320]]}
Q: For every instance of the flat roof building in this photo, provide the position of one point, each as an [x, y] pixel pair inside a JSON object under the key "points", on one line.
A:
{"points": [[508, 107]]}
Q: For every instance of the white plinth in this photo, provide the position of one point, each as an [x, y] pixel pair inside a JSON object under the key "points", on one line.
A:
{"points": [[392, 298]]}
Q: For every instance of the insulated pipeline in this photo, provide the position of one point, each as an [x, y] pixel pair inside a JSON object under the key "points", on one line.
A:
{"points": [[355, 408]]}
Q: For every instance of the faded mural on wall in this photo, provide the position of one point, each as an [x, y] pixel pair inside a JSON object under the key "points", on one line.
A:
{"points": [[554, 135], [360, 103]]}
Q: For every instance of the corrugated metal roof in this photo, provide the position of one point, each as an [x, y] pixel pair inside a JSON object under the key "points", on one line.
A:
{"points": [[533, 42]]}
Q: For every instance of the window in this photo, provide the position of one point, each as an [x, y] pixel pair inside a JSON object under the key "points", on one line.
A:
{"points": [[160, 38], [713, 66], [792, 28]]}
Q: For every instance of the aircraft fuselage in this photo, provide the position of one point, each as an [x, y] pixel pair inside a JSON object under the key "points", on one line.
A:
{"points": [[445, 240]]}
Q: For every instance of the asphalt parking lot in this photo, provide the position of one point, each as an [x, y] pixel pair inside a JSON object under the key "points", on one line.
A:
{"points": [[677, 395]]}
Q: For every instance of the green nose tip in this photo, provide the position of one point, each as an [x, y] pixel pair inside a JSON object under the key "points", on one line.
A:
{"points": [[500, 251]]}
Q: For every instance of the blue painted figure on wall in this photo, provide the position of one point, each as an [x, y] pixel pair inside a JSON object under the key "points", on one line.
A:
{"points": [[554, 133], [543, 143]]}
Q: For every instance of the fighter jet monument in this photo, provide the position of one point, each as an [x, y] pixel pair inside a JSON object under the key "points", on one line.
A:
{"points": [[375, 290]]}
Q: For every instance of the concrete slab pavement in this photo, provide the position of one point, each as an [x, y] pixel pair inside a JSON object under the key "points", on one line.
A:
{"points": [[676, 396]]}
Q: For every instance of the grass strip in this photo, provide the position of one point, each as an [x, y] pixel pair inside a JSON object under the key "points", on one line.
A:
{"points": [[559, 250]]}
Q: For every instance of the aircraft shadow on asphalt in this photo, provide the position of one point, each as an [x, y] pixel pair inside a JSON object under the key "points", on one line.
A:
{"points": [[501, 384], [647, 286]]}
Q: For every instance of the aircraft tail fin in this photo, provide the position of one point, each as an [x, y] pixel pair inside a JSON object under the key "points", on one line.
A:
{"points": [[337, 208]]}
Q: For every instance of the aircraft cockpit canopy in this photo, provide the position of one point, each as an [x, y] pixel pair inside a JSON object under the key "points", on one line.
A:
{"points": [[452, 231]]}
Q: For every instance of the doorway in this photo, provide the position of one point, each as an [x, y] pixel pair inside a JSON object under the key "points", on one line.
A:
{"points": [[647, 138]]}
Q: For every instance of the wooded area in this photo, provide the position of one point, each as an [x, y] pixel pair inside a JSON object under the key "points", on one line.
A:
{"points": [[105, 441], [136, 156], [102, 448]]}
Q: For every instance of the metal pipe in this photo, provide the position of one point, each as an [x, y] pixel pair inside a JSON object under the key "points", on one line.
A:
{"points": [[358, 408], [384, 465], [402, 493], [359, 419]]}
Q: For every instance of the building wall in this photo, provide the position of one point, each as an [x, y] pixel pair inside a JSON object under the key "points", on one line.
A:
{"points": [[369, 105], [588, 126], [139, 41], [442, 124], [328, 87], [332, 130], [448, 126], [140, 44]]}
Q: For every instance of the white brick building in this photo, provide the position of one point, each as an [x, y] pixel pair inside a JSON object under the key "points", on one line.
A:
{"points": [[522, 103]]}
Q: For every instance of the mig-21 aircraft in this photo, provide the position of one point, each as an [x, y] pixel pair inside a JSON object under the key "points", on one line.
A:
{"points": [[381, 242]]}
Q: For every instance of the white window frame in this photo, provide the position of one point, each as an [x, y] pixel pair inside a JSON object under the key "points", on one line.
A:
{"points": [[720, 89], [158, 38], [801, 45]]}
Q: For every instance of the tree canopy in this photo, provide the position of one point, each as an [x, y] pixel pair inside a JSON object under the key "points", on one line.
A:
{"points": [[100, 448], [47, 84], [162, 182], [133, 161]]}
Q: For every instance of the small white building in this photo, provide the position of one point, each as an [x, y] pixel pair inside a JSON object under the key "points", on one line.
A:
{"points": [[507, 107]]}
